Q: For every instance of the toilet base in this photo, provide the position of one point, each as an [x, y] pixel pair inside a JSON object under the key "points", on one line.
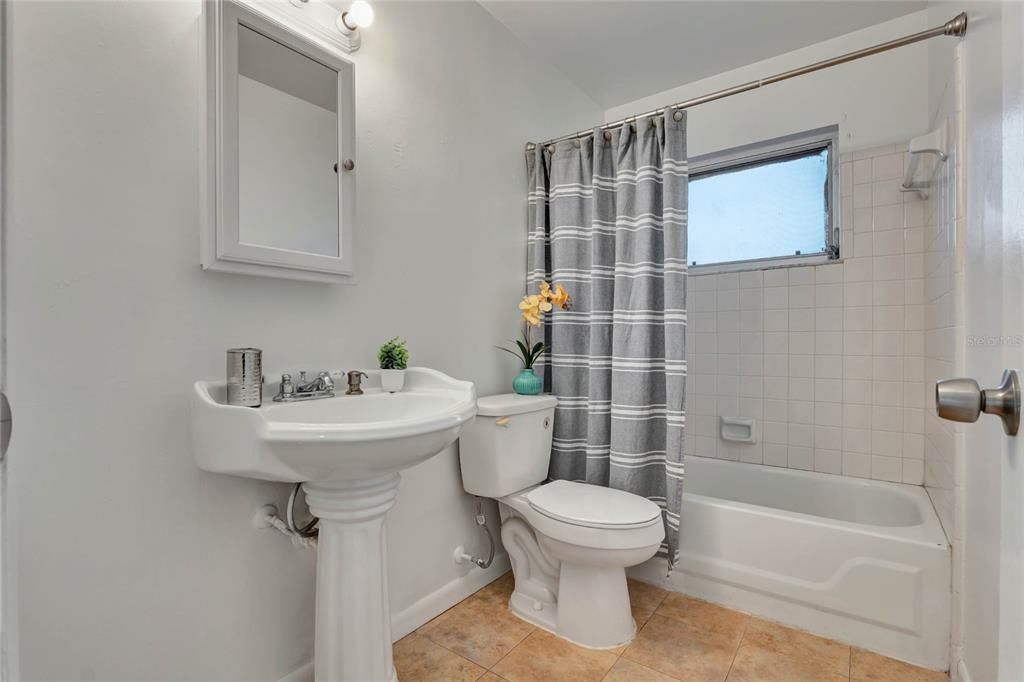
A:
{"points": [[603, 623], [587, 605], [545, 615]]}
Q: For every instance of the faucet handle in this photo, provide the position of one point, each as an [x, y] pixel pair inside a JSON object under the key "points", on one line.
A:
{"points": [[302, 376], [326, 380], [287, 389]]}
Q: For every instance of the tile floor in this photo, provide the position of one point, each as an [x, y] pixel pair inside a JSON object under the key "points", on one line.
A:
{"points": [[680, 639]]}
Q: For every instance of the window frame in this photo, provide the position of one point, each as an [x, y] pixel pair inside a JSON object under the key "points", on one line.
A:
{"points": [[779, 149]]}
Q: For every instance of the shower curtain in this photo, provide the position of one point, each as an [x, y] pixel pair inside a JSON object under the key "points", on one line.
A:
{"points": [[607, 219]]}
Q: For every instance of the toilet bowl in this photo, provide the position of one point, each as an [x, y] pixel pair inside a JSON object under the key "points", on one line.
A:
{"points": [[569, 543]]}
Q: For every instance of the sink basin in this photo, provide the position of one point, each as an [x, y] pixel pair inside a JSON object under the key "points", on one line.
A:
{"points": [[331, 439], [347, 451]]}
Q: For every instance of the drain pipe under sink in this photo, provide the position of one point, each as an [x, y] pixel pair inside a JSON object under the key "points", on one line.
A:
{"points": [[461, 556]]}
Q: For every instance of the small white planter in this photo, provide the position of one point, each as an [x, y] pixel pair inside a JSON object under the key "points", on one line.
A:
{"points": [[392, 380]]}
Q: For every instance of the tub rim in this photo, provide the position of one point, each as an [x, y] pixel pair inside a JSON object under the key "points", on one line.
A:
{"points": [[929, 532]]}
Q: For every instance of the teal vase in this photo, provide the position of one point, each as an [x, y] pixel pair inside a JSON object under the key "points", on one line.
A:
{"points": [[527, 383]]}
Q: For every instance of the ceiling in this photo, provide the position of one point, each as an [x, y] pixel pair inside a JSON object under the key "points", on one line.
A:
{"points": [[620, 50]]}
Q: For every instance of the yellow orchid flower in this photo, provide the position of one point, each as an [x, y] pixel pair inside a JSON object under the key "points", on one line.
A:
{"points": [[561, 297], [534, 306], [530, 307], [530, 302]]}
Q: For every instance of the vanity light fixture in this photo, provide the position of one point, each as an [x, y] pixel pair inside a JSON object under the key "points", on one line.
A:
{"points": [[358, 15]]}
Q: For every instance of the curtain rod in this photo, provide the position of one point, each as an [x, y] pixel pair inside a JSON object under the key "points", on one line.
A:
{"points": [[957, 26]]}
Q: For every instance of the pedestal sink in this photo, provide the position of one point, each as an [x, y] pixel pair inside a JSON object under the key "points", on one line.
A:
{"points": [[347, 451]]}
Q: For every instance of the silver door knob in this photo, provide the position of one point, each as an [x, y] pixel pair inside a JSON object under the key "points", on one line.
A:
{"points": [[962, 400]]}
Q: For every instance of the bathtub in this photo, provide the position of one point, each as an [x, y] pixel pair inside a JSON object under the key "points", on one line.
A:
{"points": [[859, 561]]}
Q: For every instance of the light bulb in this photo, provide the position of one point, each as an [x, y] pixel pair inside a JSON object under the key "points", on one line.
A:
{"points": [[358, 15]]}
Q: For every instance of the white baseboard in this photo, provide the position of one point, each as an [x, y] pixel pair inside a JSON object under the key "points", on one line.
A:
{"points": [[435, 603], [439, 601], [961, 674], [300, 674]]}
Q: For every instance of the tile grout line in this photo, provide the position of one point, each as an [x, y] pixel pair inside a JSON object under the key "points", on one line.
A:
{"points": [[509, 652], [618, 656], [452, 608], [456, 653], [743, 636]]}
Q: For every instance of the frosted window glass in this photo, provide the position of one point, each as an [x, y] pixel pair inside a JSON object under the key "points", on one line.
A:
{"points": [[764, 210]]}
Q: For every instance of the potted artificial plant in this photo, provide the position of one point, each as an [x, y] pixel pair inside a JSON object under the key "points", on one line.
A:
{"points": [[533, 308], [394, 358]]}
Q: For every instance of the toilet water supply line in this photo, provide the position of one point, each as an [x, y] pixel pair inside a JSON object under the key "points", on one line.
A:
{"points": [[481, 520]]}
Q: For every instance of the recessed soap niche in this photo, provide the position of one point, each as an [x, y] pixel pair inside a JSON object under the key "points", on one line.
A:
{"points": [[737, 430]]}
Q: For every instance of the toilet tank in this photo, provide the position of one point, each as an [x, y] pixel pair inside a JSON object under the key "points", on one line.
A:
{"points": [[508, 446]]}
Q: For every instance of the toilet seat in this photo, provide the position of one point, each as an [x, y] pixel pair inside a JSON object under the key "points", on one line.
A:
{"points": [[580, 533], [593, 506]]}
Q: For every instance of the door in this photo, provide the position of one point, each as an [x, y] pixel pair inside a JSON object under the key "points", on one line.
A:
{"points": [[992, 550], [5, 411], [1011, 537]]}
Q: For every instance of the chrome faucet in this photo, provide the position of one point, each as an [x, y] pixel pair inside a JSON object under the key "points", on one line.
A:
{"points": [[321, 387]]}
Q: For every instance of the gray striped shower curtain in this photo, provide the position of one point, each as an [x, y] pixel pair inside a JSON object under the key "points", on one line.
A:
{"points": [[607, 219]]}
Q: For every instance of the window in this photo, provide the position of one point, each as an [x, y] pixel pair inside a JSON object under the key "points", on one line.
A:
{"points": [[767, 201]]}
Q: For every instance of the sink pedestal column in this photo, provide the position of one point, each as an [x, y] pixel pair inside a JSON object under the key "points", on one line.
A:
{"points": [[353, 619]]}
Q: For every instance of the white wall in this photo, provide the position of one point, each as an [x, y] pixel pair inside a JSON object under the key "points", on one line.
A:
{"points": [[876, 101], [129, 562]]}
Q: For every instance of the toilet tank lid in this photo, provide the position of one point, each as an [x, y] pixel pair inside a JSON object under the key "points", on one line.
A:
{"points": [[508, 404]]}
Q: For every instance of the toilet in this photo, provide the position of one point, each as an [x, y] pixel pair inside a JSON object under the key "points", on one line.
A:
{"points": [[569, 543]]}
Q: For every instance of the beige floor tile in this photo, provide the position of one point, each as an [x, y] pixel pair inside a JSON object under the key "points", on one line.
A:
{"points": [[865, 665], [499, 591], [704, 615], [779, 638], [644, 599], [542, 657], [754, 664], [628, 671], [419, 659], [491, 677], [679, 650], [479, 629]]}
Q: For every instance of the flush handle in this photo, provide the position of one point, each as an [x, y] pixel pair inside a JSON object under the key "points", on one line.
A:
{"points": [[502, 421], [962, 400]]}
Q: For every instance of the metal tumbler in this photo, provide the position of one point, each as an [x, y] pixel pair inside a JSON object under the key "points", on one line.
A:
{"points": [[245, 377]]}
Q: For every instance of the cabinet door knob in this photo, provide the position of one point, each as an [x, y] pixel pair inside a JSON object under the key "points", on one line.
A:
{"points": [[963, 400]]}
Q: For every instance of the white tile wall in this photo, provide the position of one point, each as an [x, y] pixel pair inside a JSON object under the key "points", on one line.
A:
{"points": [[829, 358]]}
